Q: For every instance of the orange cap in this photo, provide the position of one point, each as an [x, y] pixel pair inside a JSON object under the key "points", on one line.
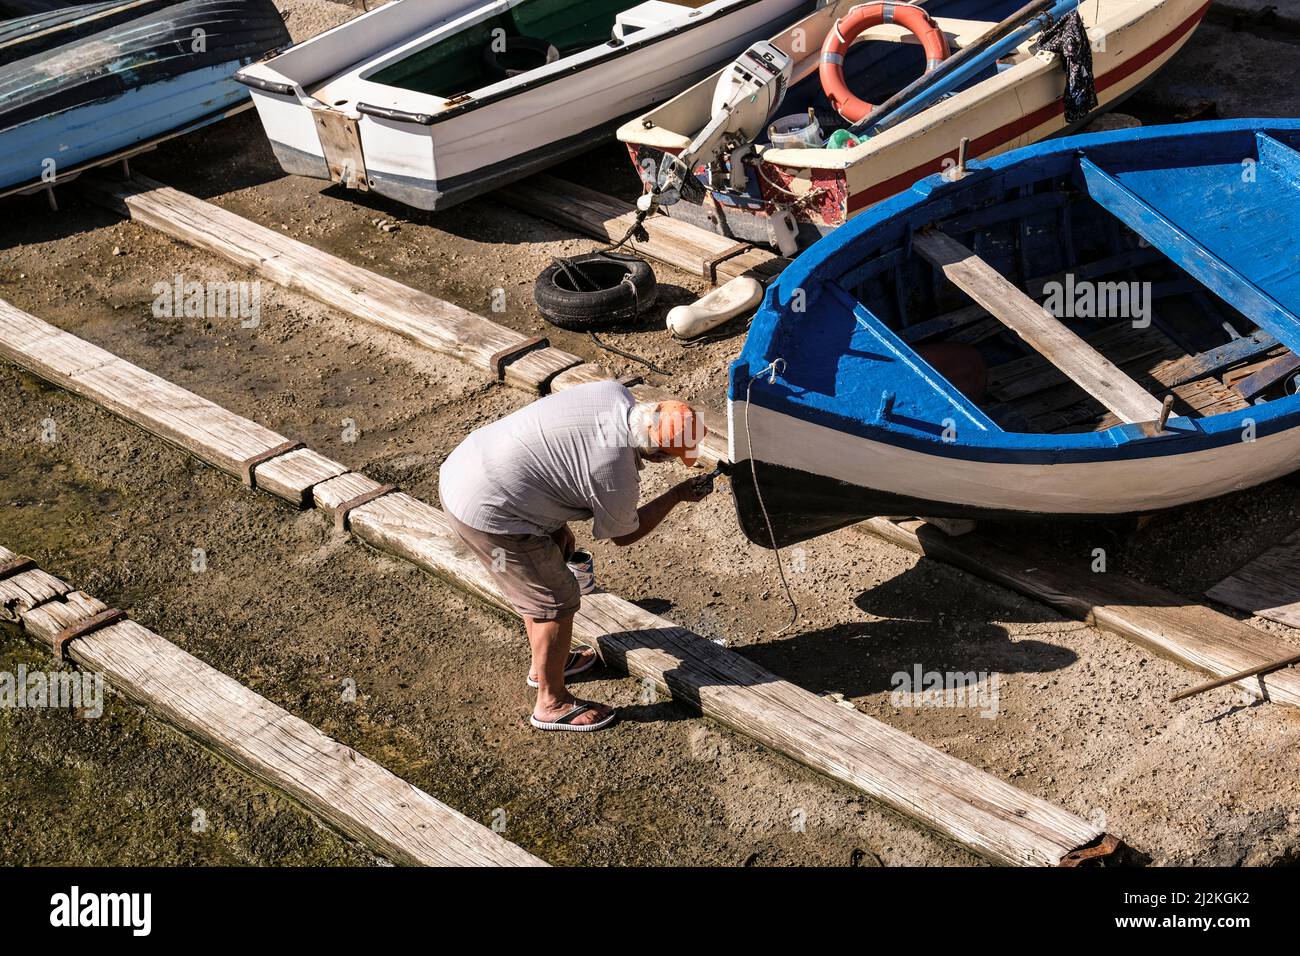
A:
{"points": [[677, 430]]}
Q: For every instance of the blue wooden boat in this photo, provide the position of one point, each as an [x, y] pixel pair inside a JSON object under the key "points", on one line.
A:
{"points": [[1099, 325], [84, 83]]}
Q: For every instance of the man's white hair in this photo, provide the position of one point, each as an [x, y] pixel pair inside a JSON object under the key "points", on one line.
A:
{"points": [[641, 424]]}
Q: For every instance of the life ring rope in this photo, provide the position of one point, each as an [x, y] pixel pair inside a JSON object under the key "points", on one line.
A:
{"points": [[849, 27]]}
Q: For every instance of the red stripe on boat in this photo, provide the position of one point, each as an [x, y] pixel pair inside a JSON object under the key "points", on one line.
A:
{"points": [[982, 144]]}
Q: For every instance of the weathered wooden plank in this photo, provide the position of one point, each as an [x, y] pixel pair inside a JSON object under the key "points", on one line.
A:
{"points": [[222, 439], [1167, 623], [972, 807], [22, 592], [535, 370], [1091, 370], [1268, 375], [333, 781], [376, 299], [1191, 367], [1268, 586], [679, 244]]}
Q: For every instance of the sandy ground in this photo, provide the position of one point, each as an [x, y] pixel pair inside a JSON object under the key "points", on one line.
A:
{"points": [[297, 614]]}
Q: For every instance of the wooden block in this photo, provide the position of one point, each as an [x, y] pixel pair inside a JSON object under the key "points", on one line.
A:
{"points": [[580, 375], [535, 370], [292, 476]]}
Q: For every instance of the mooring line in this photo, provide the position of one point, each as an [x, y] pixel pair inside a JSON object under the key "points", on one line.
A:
{"points": [[771, 371]]}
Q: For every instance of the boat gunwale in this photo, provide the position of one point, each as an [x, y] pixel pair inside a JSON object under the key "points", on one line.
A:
{"points": [[505, 89], [841, 251]]}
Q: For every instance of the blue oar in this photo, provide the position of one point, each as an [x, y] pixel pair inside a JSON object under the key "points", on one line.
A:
{"points": [[966, 63]]}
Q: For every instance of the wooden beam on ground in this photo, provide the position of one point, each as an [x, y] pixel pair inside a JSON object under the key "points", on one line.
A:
{"points": [[378, 300], [334, 782], [1167, 623], [974, 808], [1268, 586], [689, 248], [1041, 330]]}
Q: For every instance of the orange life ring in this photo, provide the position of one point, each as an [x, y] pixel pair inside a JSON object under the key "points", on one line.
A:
{"points": [[848, 28]]}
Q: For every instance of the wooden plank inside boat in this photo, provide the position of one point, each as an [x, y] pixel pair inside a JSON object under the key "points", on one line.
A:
{"points": [[1087, 367]]}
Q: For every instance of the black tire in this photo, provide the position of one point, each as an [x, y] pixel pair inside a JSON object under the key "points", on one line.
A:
{"points": [[521, 55], [611, 290]]}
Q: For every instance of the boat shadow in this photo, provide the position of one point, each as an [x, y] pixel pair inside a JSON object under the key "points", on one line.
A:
{"points": [[915, 624]]}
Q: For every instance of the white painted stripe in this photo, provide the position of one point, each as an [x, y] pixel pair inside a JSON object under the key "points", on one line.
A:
{"points": [[1107, 487]]}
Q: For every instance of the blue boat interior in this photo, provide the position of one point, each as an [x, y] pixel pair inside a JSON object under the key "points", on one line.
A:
{"points": [[1171, 252]]}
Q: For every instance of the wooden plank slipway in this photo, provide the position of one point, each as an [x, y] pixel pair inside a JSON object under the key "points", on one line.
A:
{"points": [[334, 782], [1167, 623], [1268, 586], [418, 316], [977, 810]]}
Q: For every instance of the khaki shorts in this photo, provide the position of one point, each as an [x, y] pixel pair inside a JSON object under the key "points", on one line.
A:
{"points": [[529, 569]]}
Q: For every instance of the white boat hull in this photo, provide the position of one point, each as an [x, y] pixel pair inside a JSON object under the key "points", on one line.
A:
{"points": [[803, 459], [466, 148]]}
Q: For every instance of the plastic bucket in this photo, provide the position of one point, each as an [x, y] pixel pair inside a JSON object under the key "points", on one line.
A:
{"points": [[796, 131]]}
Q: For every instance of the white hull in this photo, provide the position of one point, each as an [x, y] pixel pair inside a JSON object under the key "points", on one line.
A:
{"points": [[521, 125], [1111, 487]]}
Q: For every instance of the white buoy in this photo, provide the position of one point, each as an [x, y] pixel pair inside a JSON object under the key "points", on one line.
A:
{"points": [[721, 305]]}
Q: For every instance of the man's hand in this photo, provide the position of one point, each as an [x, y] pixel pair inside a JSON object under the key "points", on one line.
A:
{"points": [[695, 489], [652, 512]]}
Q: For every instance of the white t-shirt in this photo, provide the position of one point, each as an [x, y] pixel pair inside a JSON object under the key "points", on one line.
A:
{"points": [[567, 457]]}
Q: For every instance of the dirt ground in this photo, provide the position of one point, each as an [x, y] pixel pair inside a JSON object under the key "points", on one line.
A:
{"points": [[297, 614]]}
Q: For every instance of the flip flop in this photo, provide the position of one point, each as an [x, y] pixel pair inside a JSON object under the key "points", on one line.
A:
{"points": [[566, 722], [576, 663]]}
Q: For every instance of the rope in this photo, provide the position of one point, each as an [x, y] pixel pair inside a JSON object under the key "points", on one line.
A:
{"points": [[771, 371]]}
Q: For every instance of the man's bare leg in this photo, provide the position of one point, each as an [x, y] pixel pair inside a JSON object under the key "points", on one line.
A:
{"points": [[550, 642]]}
